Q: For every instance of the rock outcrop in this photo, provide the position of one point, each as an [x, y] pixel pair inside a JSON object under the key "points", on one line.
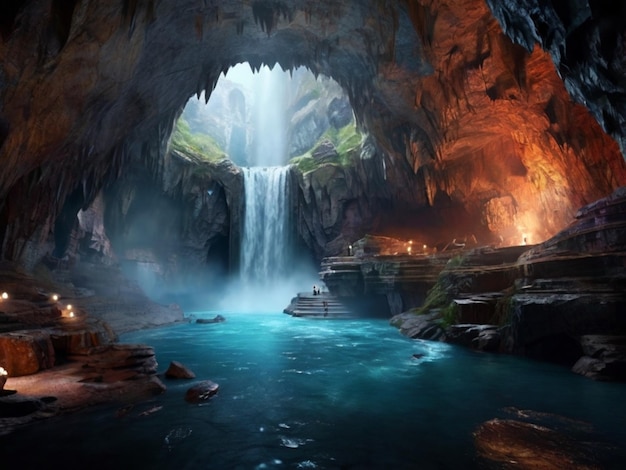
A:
{"points": [[586, 43], [561, 301], [60, 358]]}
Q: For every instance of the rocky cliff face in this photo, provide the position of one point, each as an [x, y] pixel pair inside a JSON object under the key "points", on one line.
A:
{"points": [[474, 135], [586, 41], [181, 226]]}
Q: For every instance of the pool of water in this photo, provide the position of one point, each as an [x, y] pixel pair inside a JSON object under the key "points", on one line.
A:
{"points": [[298, 393]]}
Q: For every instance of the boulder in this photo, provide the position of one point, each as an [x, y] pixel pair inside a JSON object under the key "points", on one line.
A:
{"points": [[201, 391], [176, 370], [26, 352]]}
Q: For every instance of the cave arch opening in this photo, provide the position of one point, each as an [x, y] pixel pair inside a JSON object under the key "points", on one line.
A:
{"points": [[267, 116], [271, 123]]}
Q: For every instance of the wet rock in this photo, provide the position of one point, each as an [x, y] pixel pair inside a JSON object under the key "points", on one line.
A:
{"points": [[605, 357], [18, 406], [481, 337], [516, 444], [201, 391], [176, 370], [424, 326]]}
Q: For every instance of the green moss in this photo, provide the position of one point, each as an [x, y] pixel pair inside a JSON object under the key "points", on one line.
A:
{"points": [[455, 261], [439, 295], [346, 140], [503, 310], [436, 297], [449, 314], [198, 145], [304, 163]]}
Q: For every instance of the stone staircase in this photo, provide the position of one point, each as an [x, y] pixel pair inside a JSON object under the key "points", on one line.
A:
{"points": [[324, 305]]}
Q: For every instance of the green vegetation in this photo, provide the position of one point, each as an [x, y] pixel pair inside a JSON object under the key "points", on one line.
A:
{"points": [[346, 141], [437, 297], [440, 296], [504, 309], [455, 261], [198, 145], [449, 314]]}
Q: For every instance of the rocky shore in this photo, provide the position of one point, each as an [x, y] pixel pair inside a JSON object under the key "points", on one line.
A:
{"points": [[560, 301], [58, 341]]}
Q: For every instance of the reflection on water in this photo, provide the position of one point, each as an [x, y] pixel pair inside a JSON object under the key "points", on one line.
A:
{"points": [[298, 393]]}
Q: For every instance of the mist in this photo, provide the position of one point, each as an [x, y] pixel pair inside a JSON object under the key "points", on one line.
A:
{"points": [[271, 270]]}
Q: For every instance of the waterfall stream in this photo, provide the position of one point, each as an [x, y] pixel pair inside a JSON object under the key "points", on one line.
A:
{"points": [[265, 248]]}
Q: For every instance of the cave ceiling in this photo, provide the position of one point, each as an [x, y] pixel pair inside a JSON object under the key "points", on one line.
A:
{"points": [[459, 111]]}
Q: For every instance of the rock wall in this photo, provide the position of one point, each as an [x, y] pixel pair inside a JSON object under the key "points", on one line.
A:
{"points": [[474, 134]]}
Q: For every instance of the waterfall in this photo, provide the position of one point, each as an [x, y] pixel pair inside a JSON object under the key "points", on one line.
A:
{"points": [[266, 241]]}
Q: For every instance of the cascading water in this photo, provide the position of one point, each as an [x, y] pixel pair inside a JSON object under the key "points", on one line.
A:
{"points": [[270, 270], [265, 246], [265, 243]]}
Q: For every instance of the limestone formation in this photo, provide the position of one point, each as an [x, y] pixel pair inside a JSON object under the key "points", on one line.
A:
{"points": [[463, 124]]}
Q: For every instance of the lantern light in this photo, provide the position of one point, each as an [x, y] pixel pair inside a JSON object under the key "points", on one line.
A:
{"points": [[4, 375]]}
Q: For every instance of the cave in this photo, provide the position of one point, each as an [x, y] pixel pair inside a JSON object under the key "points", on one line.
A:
{"points": [[451, 168]]}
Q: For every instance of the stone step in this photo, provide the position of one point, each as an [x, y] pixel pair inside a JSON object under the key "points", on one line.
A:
{"points": [[309, 305]]}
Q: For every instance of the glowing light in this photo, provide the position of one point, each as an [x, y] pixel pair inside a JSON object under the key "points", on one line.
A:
{"points": [[55, 297], [71, 314], [5, 296], [524, 238], [3, 377], [409, 250], [425, 246], [69, 306]]}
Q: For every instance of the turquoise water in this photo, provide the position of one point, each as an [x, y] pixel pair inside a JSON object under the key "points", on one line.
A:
{"points": [[298, 393]]}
